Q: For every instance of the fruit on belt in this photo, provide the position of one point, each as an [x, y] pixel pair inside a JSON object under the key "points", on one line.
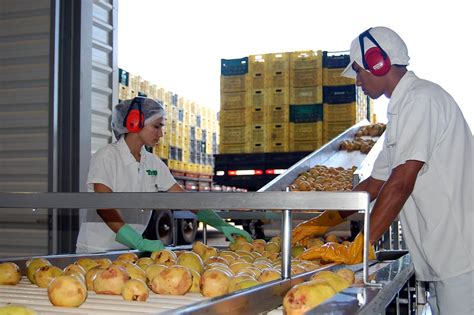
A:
{"points": [[323, 178], [358, 144]]}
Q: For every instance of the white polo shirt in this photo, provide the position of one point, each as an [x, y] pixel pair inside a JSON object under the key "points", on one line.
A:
{"points": [[115, 167], [426, 124]]}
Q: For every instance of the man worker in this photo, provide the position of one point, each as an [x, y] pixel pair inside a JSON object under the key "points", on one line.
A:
{"points": [[423, 175]]}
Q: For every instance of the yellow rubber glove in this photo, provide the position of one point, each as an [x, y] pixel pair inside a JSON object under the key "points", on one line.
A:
{"points": [[335, 252], [316, 226]]}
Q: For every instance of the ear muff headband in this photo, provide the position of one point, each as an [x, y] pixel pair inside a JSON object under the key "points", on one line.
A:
{"points": [[135, 120], [375, 59]]}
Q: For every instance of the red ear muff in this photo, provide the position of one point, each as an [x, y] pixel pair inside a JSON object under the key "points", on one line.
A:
{"points": [[377, 63], [134, 122]]}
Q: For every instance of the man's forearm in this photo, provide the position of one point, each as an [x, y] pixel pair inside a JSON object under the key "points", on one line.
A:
{"points": [[371, 186]]}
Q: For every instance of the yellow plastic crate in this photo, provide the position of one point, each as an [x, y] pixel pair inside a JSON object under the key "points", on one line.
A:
{"points": [[338, 112], [257, 63], [306, 59], [256, 133], [278, 62], [257, 80], [333, 77], [306, 77], [278, 96], [232, 148], [306, 131], [198, 133], [234, 83], [257, 98], [277, 133], [256, 147], [306, 95], [303, 146], [233, 134], [278, 146], [277, 79], [255, 115], [235, 117], [332, 129], [277, 113], [234, 100]]}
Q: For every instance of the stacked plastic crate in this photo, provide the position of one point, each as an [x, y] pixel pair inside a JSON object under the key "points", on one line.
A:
{"points": [[342, 108], [306, 100], [234, 85]]}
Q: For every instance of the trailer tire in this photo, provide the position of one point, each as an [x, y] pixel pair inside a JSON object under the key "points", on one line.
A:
{"points": [[187, 229], [160, 227]]}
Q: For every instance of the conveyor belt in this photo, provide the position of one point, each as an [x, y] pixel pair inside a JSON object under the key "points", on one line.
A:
{"points": [[36, 298]]}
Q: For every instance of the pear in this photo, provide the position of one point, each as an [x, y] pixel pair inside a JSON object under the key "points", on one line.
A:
{"points": [[45, 274], [209, 252], [314, 242], [103, 262], [165, 257], [135, 290], [238, 278], [33, 264], [296, 250], [214, 282], [335, 280], [192, 261], [244, 284], [261, 265], [74, 268], [111, 280], [90, 277], [10, 273], [196, 282], [246, 246], [199, 248], [131, 257], [239, 266], [259, 245], [86, 263], [276, 239], [153, 270], [144, 262], [175, 280], [272, 247], [269, 274], [219, 259], [238, 240], [135, 272], [67, 291], [14, 309], [306, 296]]}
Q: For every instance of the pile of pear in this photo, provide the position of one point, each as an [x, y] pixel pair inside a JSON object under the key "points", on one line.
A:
{"points": [[204, 270]]}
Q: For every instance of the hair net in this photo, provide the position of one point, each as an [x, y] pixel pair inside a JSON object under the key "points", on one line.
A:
{"points": [[151, 109]]}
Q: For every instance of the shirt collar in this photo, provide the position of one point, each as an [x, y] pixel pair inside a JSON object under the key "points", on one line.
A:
{"points": [[125, 151], [400, 90]]}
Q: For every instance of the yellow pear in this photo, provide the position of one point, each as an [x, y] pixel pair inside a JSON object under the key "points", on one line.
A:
{"points": [[67, 291], [45, 274], [191, 260], [10, 273], [306, 296], [135, 290]]}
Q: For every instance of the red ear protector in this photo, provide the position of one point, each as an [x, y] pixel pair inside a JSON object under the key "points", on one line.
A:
{"points": [[135, 120], [375, 59]]}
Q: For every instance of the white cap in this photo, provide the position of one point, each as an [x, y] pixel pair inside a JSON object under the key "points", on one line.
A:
{"points": [[388, 40]]}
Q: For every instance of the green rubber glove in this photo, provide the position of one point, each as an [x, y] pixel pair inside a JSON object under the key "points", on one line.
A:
{"points": [[213, 219], [131, 238]]}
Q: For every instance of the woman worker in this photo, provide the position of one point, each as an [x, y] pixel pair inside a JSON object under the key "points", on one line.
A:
{"points": [[125, 166]]}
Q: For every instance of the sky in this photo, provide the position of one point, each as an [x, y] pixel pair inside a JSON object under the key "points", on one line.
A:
{"points": [[178, 44]]}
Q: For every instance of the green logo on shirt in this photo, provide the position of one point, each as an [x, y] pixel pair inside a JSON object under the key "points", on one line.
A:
{"points": [[152, 172]]}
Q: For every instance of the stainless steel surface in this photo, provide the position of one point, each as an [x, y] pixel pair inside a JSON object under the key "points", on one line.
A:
{"points": [[328, 155], [255, 300], [272, 200], [286, 245], [371, 300]]}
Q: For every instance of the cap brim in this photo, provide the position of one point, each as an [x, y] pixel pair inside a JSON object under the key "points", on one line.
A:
{"points": [[348, 71]]}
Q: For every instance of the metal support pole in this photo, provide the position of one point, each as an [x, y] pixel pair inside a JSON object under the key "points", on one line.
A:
{"points": [[204, 233], [286, 244], [367, 246]]}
